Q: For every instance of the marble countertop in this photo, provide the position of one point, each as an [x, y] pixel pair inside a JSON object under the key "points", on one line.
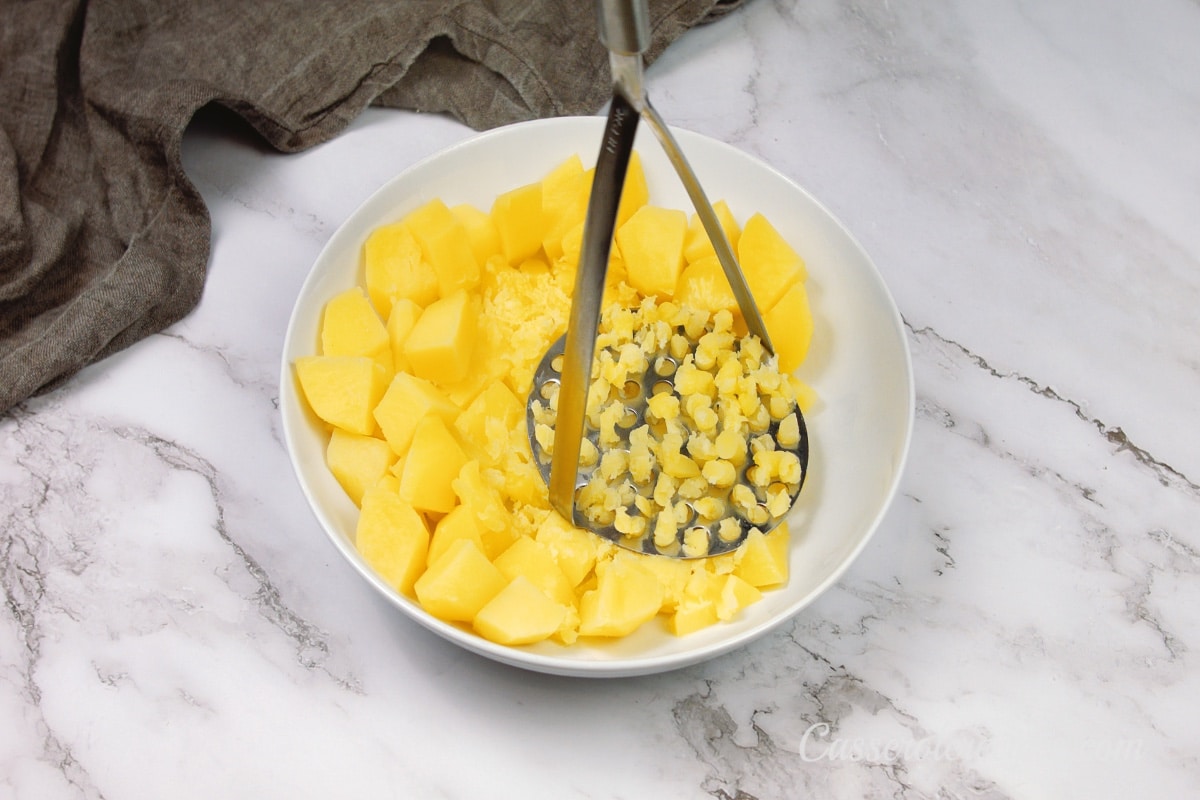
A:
{"points": [[1026, 177]]}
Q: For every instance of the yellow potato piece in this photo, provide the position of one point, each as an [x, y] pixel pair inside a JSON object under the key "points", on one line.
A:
{"points": [[627, 595], [342, 390], [770, 264], [442, 341], [357, 461], [520, 614], [533, 561], [697, 245], [762, 559], [481, 231], [703, 285], [565, 193], [518, 217], [790, 326], [489, 420], [651, 244], [392, 538], [395, 268], [405, 403], [459, 583], [574, 550], [400, 322], [351, 327], [432, 463], [459, 523], [446, 245], [635, 193]]}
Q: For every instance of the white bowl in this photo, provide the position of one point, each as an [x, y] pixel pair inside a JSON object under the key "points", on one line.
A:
{"points": [[859, 364]]}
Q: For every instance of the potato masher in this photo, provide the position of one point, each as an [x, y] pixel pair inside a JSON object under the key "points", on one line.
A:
{"points": [[564, 375]]}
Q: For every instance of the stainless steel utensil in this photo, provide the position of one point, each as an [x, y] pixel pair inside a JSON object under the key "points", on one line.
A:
{"points": [[566, 368]]}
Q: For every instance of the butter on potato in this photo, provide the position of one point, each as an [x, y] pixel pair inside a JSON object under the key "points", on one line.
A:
{"points": [[422, 378]]}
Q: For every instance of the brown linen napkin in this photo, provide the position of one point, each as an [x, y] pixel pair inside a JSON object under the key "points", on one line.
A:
{"points": [[103, 240]]}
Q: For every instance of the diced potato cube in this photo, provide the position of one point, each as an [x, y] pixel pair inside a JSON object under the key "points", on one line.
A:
{"points": [[697, 245], [518, 217], [520, 614], [352, 328], [432, 463], [441, 343], [635, 193], [459, 583], [400, 323], [626, 596], [770, 264], [342, 390], [565, 193], [488, 421], [691, 618], [395, 268], [790, 326], [405, 403], [497, 531], [459, 523], [481, 231], [392, 538], [446, 245], [672, 574], [735, 594], [702, 284], [574, 549], [357, 461], [762, 560], [530, 559], [651, 244]]}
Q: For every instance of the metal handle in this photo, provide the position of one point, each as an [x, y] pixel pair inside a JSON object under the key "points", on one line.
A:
{"points": [[624, 25], [611, 166], [712, 226]]}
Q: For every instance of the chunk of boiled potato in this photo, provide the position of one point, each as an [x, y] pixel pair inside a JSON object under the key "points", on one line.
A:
{"points": [[350, 327], [459, 583], [697, 245], [488, 421], [769, 263], [762, 560], [481, 231], [703, 285], [446, 245], [651, 244], [790, 326], [733, 594], [343, 390], [636, 192], [627, 595], [394, 268], [521, 613], [400, 322], [533, 561], [519, 221], [391, 536], [459, 523], [442, 341], [565, 193], [574, 550], [431, 464], [487, 505], [404, 404], [357, 461]]}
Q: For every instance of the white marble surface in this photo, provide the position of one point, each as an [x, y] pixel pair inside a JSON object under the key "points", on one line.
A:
{"points": [[1026, 176]]}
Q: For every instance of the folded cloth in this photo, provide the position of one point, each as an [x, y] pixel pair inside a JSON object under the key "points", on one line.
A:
{"points": [[103, 240]]}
